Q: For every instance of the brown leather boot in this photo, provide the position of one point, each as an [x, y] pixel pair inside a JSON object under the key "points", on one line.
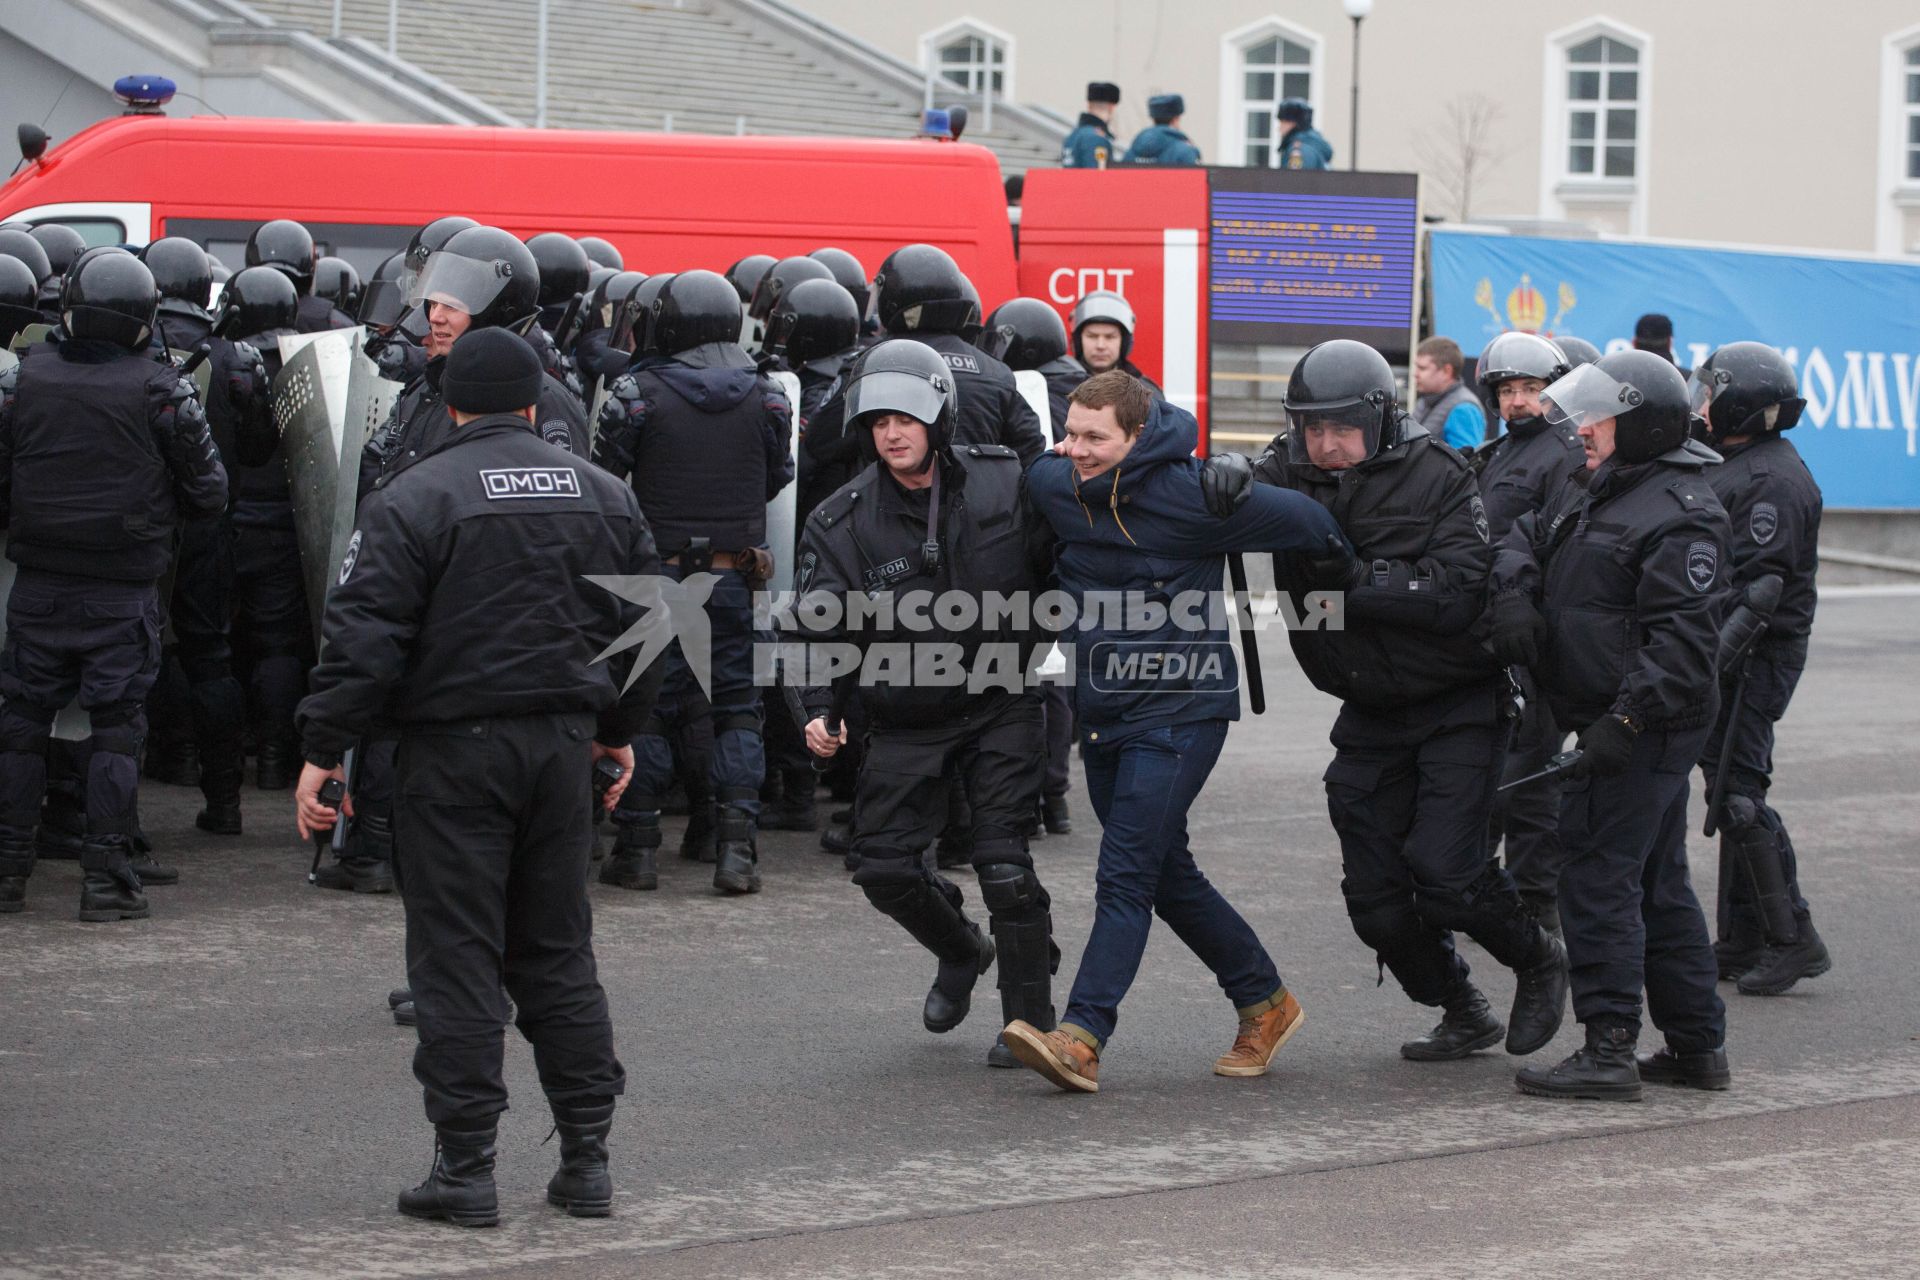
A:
{"points": [[1263, 1030], [1065, 1059]]}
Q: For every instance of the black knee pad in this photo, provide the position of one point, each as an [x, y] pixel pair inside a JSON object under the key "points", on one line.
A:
{"points": [[1009, 888], [1381, 922], [119, 732], [25, 728], [1490, 897], [880, 867], [993, 845]]}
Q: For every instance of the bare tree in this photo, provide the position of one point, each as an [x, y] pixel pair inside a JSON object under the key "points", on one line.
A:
{"points": [[1458, 151]]}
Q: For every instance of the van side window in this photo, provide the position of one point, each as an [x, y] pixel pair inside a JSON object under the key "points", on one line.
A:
{"points": [[95, 231]]}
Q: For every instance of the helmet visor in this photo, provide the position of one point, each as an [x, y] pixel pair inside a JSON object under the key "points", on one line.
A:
{"points": [[382, 304], [893, 391], [1587, 395], [1346, 431], [466, 284], [996, 340], [1703, 386]]}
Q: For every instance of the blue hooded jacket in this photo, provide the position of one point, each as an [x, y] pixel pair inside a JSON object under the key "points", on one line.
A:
{"points": [[1142, 530]]}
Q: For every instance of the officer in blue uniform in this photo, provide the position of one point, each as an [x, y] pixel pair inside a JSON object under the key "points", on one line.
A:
{"points": [[1301, 145], [1091, 145], [1164, 144]]}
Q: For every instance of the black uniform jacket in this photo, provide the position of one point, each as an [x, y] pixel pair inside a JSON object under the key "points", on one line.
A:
{"points": [[1773, 510], [1413, 620], [867, 539], [1630, 571], [464, 594]]}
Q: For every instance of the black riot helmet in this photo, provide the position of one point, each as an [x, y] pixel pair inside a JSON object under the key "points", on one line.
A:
{"points": [[486, 273], [971, 325], [565, 269], [336, 280], [18, 244], [1578, 350], [1520, 355], [642, 300], [597, 278], [1641, 391], [221, 272], [780, 277], [428, 241], [63, 244], [181, 272], [259, 300], [284, 245], [1346, 384], [919, 289], [1744, 389], [695, 308], [1103, 306], [109, 297], [601, 253], [384, 300], [19, 298], [745, 274], [1024, 333], [618, 310], [847, 273], [901, 376], [811, 321]]}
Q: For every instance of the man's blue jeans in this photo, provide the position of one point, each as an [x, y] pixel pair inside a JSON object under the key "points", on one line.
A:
{"points": [[1141, 788]]}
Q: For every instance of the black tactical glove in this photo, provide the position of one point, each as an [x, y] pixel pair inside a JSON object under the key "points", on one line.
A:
{"points": [[1225, 481], [1334, 568], [1518, 630], [1606, 746]]}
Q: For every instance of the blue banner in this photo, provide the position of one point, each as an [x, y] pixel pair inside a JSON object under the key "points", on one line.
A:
{"points": [[1850, 327]]}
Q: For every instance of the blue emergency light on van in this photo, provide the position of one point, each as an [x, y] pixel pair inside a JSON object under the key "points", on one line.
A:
{"points": [[144, 95]]}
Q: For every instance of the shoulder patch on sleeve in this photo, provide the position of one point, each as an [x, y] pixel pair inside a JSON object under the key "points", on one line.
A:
{"points": [[1703, 564], [1480, 525], [1763, 522]]}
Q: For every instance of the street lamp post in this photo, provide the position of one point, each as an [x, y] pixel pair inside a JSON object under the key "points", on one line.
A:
{"points": [[1357, 10]]}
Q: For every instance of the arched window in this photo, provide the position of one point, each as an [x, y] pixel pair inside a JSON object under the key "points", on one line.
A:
{"points": [[1593, 162], [1260, 65], [971, 57]]}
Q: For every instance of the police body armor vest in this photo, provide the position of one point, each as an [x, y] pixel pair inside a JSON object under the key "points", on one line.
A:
{"points": [[91, 494], [700, 474]]}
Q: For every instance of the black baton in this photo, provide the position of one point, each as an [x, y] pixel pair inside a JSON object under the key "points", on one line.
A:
{"points": [[1249, 643]]}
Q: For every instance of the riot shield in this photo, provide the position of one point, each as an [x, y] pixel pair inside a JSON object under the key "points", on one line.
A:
{"points": [[1033, 389], [782, 535], [311, 400], [27, 337], [598, 392]]}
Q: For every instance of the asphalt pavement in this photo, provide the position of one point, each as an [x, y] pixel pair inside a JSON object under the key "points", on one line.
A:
{"points": [[218, 1091]]}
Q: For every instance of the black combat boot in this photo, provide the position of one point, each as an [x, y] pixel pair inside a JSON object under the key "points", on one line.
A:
{"points": [[365, 865], [1742, 948], [140, 858], [62, 830], [273, 770], [1805, 957], [697, 842], [950, 997], [837, 838], [929, 910], [220, 777], [1055, 814], [459, 1189], [1539, 998], [736, 861], [110, 889], [582, 1186], [1467, 1024], [16, 864], [1603, 1071], [1027, 959], [636, 848], [1707, 1069]]}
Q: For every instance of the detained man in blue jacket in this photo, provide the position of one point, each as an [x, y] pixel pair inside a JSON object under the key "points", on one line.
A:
{"points": [[1155, 689]]}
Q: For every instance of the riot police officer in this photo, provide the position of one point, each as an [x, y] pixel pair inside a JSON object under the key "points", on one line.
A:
{"points": [[1521, 471], [1747, 394], [498, 753], [1423, 716], [1090, 145], [385, 313], [19, 299], [1103, 324], [565, 276], [1301, 145], [928, 514], [847, 273], [606, 343], [101, 449], [202, 604], [745, 274], [1612, 595], [1026, 333], [1163, 143], [706, 440], [602, 253], [287, 247], [338, 282], [780, 277], [20, 245], [63, 247], [814, 330]]}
